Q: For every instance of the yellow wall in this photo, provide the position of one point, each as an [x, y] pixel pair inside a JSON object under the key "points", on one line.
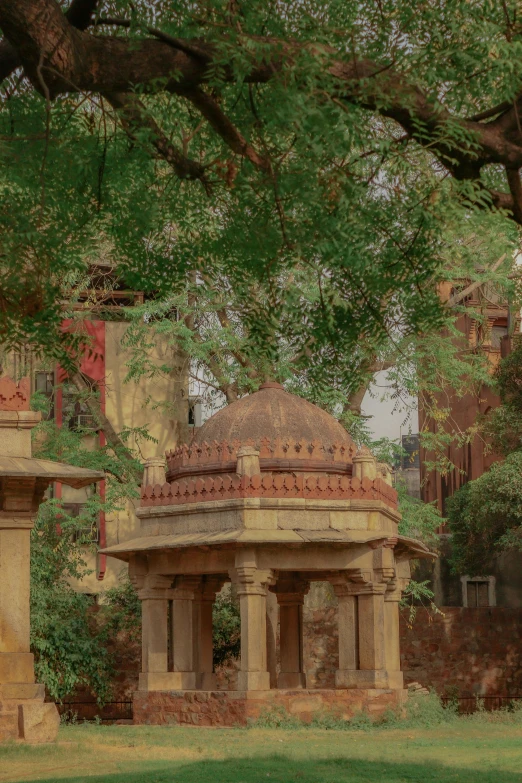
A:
{"points": [[135, 405]]}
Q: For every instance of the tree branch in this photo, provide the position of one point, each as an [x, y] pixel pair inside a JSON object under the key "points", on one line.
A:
{"points": [[134, 116], [457, 298], [79, 15], [216, 117], [515, 188], [74, 60]]}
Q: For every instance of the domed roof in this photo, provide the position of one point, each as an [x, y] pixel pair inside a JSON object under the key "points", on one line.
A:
{"points": [[273, 413]]}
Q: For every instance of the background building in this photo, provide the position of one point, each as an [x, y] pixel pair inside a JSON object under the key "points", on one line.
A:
{"points": [[160, 405]]}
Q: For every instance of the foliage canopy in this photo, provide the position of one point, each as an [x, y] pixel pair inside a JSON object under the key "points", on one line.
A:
{"points": [[316, 156]]}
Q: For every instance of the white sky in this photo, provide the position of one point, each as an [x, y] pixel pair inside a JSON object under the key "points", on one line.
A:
{"points": [[389, 418]]}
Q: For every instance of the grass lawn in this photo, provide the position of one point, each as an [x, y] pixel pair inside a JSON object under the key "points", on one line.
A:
{"points": [[462, 750]]}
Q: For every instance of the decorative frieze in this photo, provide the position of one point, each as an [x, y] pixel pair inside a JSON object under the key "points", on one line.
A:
{"points": [[222, 456], [14, 396], [268, 485]]}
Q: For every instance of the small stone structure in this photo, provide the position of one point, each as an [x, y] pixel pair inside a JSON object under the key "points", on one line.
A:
{"points": [[23, 480], [271, 496]]}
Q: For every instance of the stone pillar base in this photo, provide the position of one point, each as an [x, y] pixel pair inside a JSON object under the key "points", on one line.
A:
{"points": [[291, 680], [240, 708], [38, 721], [367, 678], [253, 681], [167, 681], [206, 681], [25, 716]]}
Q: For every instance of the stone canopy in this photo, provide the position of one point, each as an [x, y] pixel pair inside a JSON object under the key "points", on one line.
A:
{"points": [[271, 495]]}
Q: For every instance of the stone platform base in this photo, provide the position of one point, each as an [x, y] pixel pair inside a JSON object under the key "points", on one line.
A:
{"points": [[25, 716], [238, 708]]}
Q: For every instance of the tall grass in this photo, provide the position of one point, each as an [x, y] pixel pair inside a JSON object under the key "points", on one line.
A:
{"points": [[418, 712]]}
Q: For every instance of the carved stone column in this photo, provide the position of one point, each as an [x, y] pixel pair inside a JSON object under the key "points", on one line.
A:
{"points": [[364, 464], [154, 471], [183, 631], [348, 629], [203, 632], [290, 593], [248, 461], [252, 587], [371, 631], [361, 631], [154, 595], [16, 661], [392, 598], [386, 571]]}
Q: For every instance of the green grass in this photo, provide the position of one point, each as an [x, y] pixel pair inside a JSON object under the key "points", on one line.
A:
{"points": [[478, 749]]}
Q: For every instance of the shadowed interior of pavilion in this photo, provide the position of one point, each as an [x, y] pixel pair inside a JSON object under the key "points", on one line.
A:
{"points": [[271, 496]]}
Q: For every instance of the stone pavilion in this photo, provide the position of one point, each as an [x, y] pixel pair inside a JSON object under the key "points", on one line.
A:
{"points": [[23, 480], [271, 495]]}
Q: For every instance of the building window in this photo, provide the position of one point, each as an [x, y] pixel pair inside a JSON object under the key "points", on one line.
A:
{"points": [[195, 412], [87, 535], [497, 333], [411, 446], [478, 591], [44, 384], [75, 413]]}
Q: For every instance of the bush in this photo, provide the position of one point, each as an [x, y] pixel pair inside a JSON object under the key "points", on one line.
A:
{"points": [[227, 628]]}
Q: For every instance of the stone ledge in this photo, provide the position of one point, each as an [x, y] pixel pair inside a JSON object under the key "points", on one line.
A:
{"points": [[233, 708]]}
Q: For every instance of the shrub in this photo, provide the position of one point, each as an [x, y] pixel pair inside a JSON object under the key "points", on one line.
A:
{"points": [[227, 628]]}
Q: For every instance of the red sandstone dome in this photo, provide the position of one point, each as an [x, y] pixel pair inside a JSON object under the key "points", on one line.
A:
{"points": [[273, 413]]}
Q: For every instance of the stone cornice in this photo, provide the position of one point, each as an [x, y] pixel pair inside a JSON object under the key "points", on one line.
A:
{"points": [[234, 504], [268, 485], [21, 521], [19, 420]]}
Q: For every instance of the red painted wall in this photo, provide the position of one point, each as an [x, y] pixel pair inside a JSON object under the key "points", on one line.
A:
{"points": [[92, 365]]}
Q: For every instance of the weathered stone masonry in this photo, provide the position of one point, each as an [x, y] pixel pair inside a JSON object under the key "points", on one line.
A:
{"points": [[273, 497]]}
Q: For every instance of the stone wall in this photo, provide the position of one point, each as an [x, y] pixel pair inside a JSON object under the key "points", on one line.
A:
{"points": [[463, 652]]}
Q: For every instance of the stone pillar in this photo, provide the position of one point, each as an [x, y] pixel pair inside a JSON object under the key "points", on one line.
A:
{"points": [[272, 620], [252, 586], [392, 598], [386, 572], [348, 631], [290, 595], [364, 464], [24, 714], [361, 631], [16, 662], [17, 501], [154, 596], [154, 471], [203, 632], [183, 631], [248, 461], [371, 629]]}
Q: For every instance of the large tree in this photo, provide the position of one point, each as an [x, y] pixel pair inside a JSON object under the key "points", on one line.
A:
{"points": [[262, 138]]}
